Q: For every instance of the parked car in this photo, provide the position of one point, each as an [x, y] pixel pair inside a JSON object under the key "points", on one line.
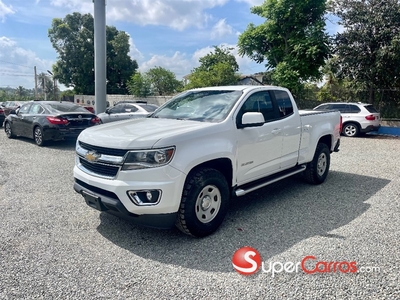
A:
{"points": [[2, 116], [11, 105], [358, 117], [127, 110], [48, 120], [90, 108]]}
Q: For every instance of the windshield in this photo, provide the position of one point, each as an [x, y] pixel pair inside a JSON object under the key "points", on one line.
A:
{"points": [[205, 106]]}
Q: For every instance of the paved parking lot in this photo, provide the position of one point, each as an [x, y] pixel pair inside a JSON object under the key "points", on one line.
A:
{"points": [[53, 246]]}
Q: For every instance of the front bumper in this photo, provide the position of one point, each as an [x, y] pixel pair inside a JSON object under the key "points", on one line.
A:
{"points": [[111, 195], [113, 205]]}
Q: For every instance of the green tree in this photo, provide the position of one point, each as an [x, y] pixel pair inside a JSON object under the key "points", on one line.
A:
{"points": [[120, 66], [368, 49], [216, 68], [46, 85], [163, 81], [21, 92], [292, 41], [139, 85], [73, 40]]}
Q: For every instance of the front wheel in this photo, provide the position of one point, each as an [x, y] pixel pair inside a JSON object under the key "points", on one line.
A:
{"points": [[204, 204], [317, 170], [8, 130]]}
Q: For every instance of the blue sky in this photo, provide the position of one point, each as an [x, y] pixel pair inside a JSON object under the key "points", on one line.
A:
{"points": [[172, 34]]}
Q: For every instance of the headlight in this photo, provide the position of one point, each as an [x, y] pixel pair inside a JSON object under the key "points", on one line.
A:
{"points": [[143, 159]]}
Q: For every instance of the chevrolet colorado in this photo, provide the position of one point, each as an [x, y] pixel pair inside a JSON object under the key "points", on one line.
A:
{"points": [[182, 164]]}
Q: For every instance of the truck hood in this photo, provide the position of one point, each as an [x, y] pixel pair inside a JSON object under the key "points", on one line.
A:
{"points": [[138, 133]]}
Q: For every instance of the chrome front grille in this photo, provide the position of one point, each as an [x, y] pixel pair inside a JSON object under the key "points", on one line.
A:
{"points": [[103, 170], [99, 161]]}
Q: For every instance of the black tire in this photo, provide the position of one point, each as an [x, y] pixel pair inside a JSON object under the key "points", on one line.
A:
{"points": [[204, 204], [38, 136], [318, 169], [8, 130], [351, 130]]}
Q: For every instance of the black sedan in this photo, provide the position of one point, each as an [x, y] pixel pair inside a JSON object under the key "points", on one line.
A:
{"points": [[48, 120]]}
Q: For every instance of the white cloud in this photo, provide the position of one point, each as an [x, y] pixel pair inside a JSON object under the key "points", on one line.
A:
{"points": [[5, 10], [171, 13], [178, 64], [221, 30], [134, 52], [17, 64]]}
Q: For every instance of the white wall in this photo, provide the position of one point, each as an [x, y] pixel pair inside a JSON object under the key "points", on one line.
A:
{"points": [[89, 100]]}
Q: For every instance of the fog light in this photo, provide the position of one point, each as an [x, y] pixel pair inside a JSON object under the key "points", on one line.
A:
{"points": [[146, 197]]}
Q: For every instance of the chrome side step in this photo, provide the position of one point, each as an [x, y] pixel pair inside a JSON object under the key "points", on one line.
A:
{"points": [[247, 188]]}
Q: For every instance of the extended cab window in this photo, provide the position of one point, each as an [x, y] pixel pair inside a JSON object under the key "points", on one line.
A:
{"points": [[284, 103]]}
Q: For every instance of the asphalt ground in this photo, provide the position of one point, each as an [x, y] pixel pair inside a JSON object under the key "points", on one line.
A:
{"points": [[53, 246]]}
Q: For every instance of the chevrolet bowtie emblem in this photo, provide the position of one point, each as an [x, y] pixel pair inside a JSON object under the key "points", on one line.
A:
{"points": [[92, 156]]}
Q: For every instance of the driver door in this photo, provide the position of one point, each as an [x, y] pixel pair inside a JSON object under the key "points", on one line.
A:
{"points": [[259, 148]]}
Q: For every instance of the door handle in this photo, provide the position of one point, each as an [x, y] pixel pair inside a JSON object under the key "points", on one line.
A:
{"points": [[276, 131], [307, 127]]}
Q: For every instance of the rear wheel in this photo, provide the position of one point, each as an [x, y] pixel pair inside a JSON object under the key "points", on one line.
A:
{"points": [[317, 170], [351, 130], [204, 204], [38, 136], [8, 130]]}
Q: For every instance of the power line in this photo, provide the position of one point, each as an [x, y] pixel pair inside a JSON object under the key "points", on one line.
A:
{"points": [[18, 75], [7, 62]]}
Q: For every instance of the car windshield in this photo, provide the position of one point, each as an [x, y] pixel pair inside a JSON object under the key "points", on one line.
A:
{"points": [[65, 107], [205, 106]]}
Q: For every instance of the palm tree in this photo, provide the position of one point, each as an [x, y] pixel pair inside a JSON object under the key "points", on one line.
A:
{"points": [[21, 92], [46, 84]]}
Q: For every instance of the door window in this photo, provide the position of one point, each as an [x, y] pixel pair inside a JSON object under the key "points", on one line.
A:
{"points": [[24, 109], [284, 103], [258, 102]]}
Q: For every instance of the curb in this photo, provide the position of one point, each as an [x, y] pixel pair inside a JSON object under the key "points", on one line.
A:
{"points": [[385, 130]]}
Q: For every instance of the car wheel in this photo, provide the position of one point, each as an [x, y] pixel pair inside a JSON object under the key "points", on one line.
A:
{"points": [[8, 130], [350, 130], [317, 170], [38, 136], [204, 204]]}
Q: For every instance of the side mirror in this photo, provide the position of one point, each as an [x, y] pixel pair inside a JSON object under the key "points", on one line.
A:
{"points": [[13, 112], [252, 119]]}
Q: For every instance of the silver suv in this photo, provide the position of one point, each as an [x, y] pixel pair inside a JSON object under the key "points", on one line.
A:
{"points": [[357, 117]]}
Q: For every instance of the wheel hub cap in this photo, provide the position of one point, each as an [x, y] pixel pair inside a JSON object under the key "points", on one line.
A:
{"points": [[321, 167], [208, 204]]}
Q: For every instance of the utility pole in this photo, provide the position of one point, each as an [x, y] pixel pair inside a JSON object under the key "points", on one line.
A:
{"points": [[36, 95], [54, 85], [100, 48]]}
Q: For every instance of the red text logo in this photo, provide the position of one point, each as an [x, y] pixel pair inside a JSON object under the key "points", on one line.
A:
{"points": [[246, 260]]}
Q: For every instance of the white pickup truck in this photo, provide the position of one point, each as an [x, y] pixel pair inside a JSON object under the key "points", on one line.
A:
{"points": [[182, 165]]}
